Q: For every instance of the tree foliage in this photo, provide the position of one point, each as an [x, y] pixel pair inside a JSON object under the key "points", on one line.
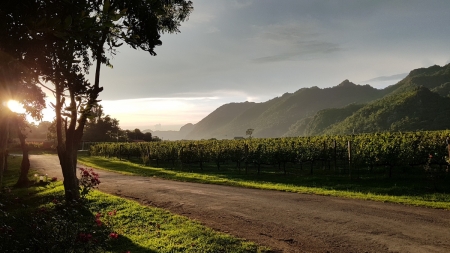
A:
{"points": [[63, 40], [18, 76], [101, 127]]}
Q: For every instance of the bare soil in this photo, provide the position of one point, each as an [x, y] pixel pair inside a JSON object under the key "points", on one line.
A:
{"points": [[285, 222]]}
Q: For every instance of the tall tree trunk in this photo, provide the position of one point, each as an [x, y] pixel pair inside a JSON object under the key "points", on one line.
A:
{"points": [[4, 134], [25, 165], [65, 149], [68, 146], [66, 158]]}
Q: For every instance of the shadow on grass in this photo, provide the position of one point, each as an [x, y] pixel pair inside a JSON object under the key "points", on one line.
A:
{"points": [[410, 181], [37, 219]]}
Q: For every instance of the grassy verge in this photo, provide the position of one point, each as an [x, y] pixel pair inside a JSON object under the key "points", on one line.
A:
{"points": [[33, 152], [37, 219], [403, 190]]}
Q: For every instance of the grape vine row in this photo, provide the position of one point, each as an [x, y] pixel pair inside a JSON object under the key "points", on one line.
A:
{"points": [[354, 151]]}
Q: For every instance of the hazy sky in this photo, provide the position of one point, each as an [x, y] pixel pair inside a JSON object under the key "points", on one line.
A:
{"points": [[254, 50]]}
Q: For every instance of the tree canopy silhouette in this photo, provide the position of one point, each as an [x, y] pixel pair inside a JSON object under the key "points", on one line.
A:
{"points": [[64, 40]]}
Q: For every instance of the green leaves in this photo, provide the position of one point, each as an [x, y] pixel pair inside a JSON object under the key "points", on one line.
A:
{"points": [[379, 149], [68, 22]]}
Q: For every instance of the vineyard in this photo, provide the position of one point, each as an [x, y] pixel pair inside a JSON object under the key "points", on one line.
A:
{"points": [[345, 155]]}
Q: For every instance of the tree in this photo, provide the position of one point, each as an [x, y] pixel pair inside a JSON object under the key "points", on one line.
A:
{"points": [[69, 37], [32, 98], [135, 135], [4, 130], [101, 128], [249, 132], [147, 136], [39, 131], [20, 126], [18, 77], [156, 138]]}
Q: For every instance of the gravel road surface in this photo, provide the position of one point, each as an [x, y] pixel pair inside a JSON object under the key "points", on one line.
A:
{"points": [[286, 222]]}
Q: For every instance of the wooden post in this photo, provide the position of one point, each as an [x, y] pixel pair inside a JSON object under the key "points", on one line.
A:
{"points": [[335, 158], [448, 147], [324, 154], [349, 158]]}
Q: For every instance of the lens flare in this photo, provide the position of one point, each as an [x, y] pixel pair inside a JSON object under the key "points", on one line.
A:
{"points": [[15, 106]]}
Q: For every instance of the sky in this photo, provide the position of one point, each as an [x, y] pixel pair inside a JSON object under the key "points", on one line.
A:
{"points": [[255, 50]]}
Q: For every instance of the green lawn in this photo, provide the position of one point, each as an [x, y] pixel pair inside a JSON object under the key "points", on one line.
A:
{"points": [[37, 219], [410, 188]]}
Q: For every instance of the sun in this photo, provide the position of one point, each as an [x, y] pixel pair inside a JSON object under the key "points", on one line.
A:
{"points": [[15, 106], [47, 113]]}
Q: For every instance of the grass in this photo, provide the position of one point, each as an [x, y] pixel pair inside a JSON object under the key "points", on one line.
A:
{"points": [[411, 187], [37, 219], [18, 151]]}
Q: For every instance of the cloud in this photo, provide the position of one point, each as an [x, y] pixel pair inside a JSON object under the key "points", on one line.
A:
{"points": [[387, 78], [291, 41], [197, 18], [304, 50], [242, 3], [236, 49], [212, 29], [172, 112]]}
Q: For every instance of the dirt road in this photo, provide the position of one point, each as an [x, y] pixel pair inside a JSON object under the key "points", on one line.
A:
{"points": [[286, 222]]}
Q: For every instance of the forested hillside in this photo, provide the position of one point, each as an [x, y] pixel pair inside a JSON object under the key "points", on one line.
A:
{"points": [[322, 121], [417, 109], [274, 117], [418, 102]]}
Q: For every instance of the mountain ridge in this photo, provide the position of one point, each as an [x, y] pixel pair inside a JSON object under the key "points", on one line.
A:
{"points": [[315, 111]]}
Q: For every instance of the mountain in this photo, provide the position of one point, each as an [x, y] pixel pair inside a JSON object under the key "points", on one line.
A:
{"points": [[417, 102], [210, 126], [322, 121], [431, 78], [273, 118], [443, 90], [172, 135], [416, 109]]}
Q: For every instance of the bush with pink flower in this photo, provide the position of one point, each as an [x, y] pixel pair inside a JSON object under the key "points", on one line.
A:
{"points": [[89, 180]]}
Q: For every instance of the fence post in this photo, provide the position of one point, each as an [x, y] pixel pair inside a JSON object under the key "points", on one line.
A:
{"points": [[448, 147], [349, 159], [335, 158]]}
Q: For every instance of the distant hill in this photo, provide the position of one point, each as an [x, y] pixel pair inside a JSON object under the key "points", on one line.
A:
{"points": [[322, 121], [417, 109], [274, 118], [417, 102], [408, 105], [431, 78], [172, 135], [211, 125], [443, 90]]}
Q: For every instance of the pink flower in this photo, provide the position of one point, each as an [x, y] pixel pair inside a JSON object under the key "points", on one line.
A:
{"points": [[82, 237], [99, 222], [113, 235], [95, 181]]}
